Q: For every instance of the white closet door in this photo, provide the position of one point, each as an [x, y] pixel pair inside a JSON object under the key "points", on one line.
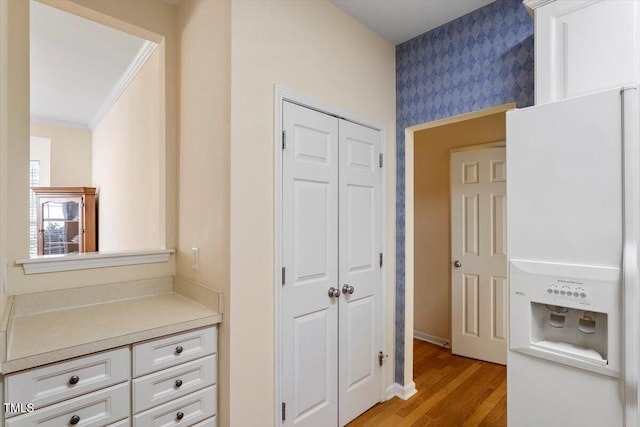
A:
{"points": [[360, 228], [310, 245]]}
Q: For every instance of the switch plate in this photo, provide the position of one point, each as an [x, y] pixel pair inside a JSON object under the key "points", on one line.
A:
{"points": [[5, 276], [195, 258]]}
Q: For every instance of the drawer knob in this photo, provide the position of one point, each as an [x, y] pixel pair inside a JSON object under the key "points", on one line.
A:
{"points": [[179, 416], [179, 349], [74, 379], [74, 420], [178, 383]]}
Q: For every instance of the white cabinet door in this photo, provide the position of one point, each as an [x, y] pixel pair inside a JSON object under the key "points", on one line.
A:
{"points": [[100, 408], [310, 254], [479, 292], [154, 355], [360, 228], [61, 381], [172, 383], [182, 412], [585, 46]]}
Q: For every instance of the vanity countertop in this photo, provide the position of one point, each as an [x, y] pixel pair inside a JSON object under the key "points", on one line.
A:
{"points": [[58, 325]]}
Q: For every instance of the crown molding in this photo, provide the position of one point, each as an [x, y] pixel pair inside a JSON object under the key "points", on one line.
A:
{"points": [[532, 5], [56, 122], [121, 85]]}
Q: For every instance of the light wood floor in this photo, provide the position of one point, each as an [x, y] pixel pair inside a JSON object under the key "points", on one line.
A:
{"points": [[453, 391]]}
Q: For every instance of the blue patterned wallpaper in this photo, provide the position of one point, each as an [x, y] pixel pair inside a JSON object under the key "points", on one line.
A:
{"points": [[480, 60]]}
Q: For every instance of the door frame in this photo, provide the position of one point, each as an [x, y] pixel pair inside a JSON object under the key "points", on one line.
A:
{"points": [[408, 383], [282, 94]]}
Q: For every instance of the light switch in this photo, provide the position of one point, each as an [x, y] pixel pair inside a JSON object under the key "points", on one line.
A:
{"points": [[195, 258]]}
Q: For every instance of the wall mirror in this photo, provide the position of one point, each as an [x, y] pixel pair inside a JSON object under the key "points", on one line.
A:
{"points": [[97, 137]]}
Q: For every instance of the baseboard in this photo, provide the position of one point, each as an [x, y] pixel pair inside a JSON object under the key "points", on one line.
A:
{"points": [[390, 392], [442, 342], [405, 392]]}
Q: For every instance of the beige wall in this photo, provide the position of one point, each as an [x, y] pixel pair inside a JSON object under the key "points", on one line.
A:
{"points": [[15, 134], [315, 49], [151, 19], [432, 248], [203, 220], [14, 126], [70, 154], [126, 160], [308, 46]]}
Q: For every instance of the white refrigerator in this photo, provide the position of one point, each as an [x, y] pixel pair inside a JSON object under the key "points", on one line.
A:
{"points": [[572, 224]]}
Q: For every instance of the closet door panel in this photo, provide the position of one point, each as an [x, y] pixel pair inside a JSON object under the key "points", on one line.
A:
{"points": [[310, 256], [360, 225]]}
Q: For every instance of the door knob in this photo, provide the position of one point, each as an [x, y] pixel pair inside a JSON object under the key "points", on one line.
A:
{"points": [[348, 289], [334, 292], [457, 264]]}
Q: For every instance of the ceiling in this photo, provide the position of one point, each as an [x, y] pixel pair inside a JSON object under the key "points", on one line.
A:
{"points": [[400, 20], [78, 66]]}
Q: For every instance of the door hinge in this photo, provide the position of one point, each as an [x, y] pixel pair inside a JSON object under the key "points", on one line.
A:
{"points": [[283, 275], [380, 259], [284, 411], [284, 139], [380, 159]]}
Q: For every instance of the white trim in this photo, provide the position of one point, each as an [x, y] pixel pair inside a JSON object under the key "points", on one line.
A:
{"points": [[323, 107], [405, 392], [52, 263], [390, 392], [408, 257], [409, 220], [532, 5], [383, 270], [281, 94], [485, 146], [277, 253], [121, 85], [61, 123], [432, 339]]}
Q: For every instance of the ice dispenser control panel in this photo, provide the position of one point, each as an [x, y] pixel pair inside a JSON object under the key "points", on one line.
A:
{"points": [[577, 292], [567, 313]]}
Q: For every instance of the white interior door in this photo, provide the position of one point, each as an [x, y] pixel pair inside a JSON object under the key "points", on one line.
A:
{"points": [[331, 240], [479, 288], [310, 256], [359, 308]]}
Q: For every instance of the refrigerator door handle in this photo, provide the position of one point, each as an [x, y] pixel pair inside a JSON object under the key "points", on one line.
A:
{"points": [[631, 236]]}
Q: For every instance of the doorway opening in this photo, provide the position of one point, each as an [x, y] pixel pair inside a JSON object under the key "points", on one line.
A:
{"points": [[429, 262]]}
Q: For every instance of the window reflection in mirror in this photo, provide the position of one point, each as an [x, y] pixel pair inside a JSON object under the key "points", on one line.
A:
{"points": [[97, 131]]}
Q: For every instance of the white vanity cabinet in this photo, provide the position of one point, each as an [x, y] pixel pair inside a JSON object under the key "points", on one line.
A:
{"points": [[168, 381], [584, 46], [176, 380]]}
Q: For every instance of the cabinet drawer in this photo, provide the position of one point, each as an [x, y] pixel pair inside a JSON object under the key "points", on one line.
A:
{"points": [[211, 422], [165, 352], [95, 409], [162, 386], [53, 383], [184, 411], [123, 423]]}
